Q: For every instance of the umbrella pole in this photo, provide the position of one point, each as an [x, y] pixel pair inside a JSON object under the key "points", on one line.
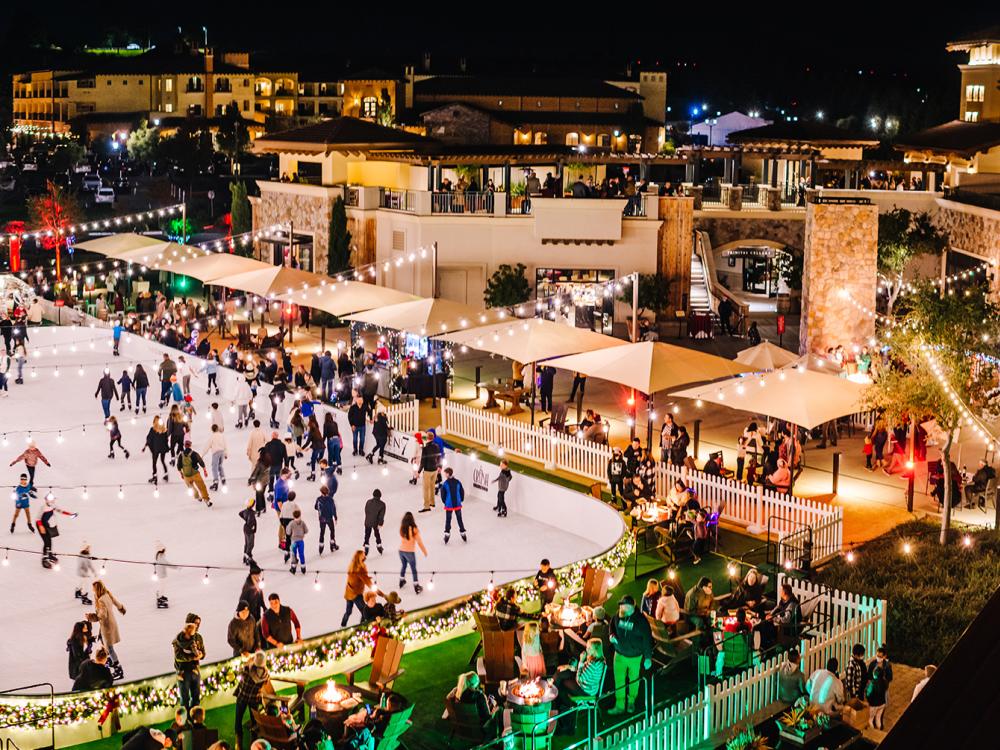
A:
{"points": [[649, 424], [532, 394]]}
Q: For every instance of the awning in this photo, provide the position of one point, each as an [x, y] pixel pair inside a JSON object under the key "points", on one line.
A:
{"points": [[159, 256], [802, 397], [531, 339], [114, 244], [651, 366], [272, 280], [766, 356], [345, 297], [427, 316], [207, 268], [816, 363]]}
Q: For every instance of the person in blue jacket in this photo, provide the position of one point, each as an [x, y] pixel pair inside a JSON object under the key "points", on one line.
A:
{"points": [[116, 333], [327, 510], [22, 495], [125, 381], [452, 495], [327, 376]]}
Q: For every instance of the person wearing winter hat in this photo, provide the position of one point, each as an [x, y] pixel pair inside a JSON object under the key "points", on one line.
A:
{"points": [[189, 462], [160, 566], [48, 530], [253, 677], [243, 635], [86, 573], [189, 650]]}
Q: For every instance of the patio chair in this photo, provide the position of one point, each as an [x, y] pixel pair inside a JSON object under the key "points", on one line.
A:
{"points": [[497, 662], [670, 650], [244, 339], [465, 725], [201, 738], [293, 702], [556, 419], [589, 702], [273, 729], [399, 724], [384, 668], [595, 587], [981, 498]]}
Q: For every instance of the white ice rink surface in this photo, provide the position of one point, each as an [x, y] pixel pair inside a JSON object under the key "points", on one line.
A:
{"points": [[40, 608]]}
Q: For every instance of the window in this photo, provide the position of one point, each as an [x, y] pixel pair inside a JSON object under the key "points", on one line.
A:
{"points": [[109, 81], [125, 82], [86, 83], [141, 82], [972, 116], [975, 93], [168, 84], [603, 140], [369, 106], [168, 107], [541, 138], [246, 105], [220, 110], [572, 139]]}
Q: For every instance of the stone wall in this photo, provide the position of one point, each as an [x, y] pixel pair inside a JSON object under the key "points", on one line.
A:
{"points": [[309, 209], [675, 243], [788, 232], [841, 251], [970, 228]]}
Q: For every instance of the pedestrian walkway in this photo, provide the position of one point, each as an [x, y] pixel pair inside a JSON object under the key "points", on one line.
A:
{"points": [[904, 679]]}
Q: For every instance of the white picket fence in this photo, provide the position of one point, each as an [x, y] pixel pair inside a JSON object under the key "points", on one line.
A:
{"points": [[404, 416], [841, 621], [740, 503]]}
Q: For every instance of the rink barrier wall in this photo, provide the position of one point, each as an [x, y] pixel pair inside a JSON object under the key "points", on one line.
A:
{"points": [[791, 519]]}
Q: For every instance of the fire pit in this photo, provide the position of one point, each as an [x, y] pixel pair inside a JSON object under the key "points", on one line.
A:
{"points": [[568, 615], [331, 703], [530, 701]]}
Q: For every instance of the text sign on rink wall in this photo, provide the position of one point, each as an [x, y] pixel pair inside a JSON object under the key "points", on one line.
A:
{"points": [[401, 446]]}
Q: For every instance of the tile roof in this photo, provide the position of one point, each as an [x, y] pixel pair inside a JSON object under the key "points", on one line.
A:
{"points": [[958, 137], [801, 132], [520, 86], [346, 131]]}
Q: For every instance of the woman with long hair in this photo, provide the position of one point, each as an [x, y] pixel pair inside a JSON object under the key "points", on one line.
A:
{"points": [[140, 381], [78, 646], [105, 605], [176, 429], [334, 443], [315, 442], [358, 581], [409, 540]]}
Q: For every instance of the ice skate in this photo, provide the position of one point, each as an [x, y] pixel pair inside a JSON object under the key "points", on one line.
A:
{"points": [[413, 480], [208, 503], [151, 480], [382, 461], [333, 547], [111, 454], [402, 583], [368, 458], [321, 550], [379, 548], [464, 537], [216, 391], [311, 478], [446, 538], [302, 569], [12, 531], [417, 588], [123, 408], [78, 594], [127, 454], [292, 570], [239, 425], [85, 600], [213, 486], [166, 477]]}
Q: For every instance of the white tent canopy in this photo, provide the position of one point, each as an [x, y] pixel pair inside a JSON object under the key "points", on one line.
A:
{"points": [[766, 356], [531, 339], [115, 244], [650, 366], [271, 281], [427, 316], [804, 398], [158, 256], [345, 297], [206, 268], [816, 363]]}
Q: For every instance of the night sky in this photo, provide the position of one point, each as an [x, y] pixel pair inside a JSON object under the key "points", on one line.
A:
{"points": [[805, 57]]}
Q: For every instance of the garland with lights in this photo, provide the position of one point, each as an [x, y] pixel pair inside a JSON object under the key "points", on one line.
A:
{"points": [[90, 226], [222, 677]]}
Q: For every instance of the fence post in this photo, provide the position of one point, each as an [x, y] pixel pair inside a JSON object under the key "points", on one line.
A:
{"points": [[759, 509]]}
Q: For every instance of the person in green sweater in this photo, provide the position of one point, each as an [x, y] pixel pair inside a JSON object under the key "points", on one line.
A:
{"points": [[632, 642]]}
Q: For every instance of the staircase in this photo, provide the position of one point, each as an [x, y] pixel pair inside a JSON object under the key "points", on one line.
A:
{"points": [[699, 301]]}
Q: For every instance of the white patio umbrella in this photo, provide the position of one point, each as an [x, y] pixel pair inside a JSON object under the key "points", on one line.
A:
{"points": [[158, 256], [427, 316], [816, 363], [211, 266], [344, 297], [271, 281], [114, 244], [766, 356], [801, 397]]}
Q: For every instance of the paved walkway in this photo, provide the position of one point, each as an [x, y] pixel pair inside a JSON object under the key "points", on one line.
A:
{"points": [[904, 679]]}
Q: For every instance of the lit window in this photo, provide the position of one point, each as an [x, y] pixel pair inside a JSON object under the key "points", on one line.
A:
{"points": [[168, 107], [369, 106], [168, 84], [972, 117], [572, 139], [975, 93]]}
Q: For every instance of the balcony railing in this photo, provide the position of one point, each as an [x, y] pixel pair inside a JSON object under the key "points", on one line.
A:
{"points": [[194, 88], [283, 91], [223, 87], [462, 203], [397, 200], [975, 197], [635, 207]]}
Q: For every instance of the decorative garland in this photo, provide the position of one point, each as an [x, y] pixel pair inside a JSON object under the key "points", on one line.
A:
{"points": [[34, 713]]}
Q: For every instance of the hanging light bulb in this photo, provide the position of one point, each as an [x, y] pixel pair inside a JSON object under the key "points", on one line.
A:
{"points": [[206, 579], [104, 569], [316, 584], [121, 493], [430, 583], [86, 495]]}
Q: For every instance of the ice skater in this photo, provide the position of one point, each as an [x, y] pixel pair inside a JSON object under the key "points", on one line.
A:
{"points": [[297, 531], [31, 457], [334, 443], [380, 431], [48, 530], [249, 516], [160, 567], [285, 515], [244, 405], [452, 496], [374, 518], [105, 605], [502, 482], [177, 432], [125, 381], [409, 540], [22, 495], [315, 443], [114, 436], [156, 442], [327, 511], [116, 335], [86, 573], [217, 452], [106, 391], [211, 369], [188, 464], [141, 384]]}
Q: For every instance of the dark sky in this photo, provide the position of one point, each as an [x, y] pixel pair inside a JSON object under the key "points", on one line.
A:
{"points": [[805, 55]]}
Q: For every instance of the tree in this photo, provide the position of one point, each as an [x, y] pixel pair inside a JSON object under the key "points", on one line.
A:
{"points": [[239, 208], [507, 287], [902, 236], [338, 257], [66, 155], [189, 150], [54, 212], [936, 371], [383, 110], [233, 136], [143, 143], [654, 293]]}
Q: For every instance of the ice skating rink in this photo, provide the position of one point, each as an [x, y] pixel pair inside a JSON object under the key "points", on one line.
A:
{"points": [[40, 604]]}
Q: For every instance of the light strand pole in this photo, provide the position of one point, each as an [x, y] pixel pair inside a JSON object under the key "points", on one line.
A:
{"points": [[635, 338], [291, 255], [434, 270]]}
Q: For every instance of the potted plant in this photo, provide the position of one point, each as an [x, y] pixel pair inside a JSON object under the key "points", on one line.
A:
{"points": [[748, 738], [802, 723]]}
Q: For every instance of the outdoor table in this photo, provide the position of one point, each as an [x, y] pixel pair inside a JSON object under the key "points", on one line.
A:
{"points": [[505, 393], [331, 704], [530, 701], [647, 520], [568, 615]]}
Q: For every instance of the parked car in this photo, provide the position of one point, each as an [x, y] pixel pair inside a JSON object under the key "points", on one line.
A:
{"points": [[104, 195], [81, 168], [29, 166], [91, 182]]}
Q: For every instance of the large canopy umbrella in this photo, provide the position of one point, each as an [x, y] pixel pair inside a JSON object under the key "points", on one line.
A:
{"points": [[114, 244], [766, 356], [426, 316], [344, 297], [531, 340], [211, 266], [800, 397], [271, 281], [158, 256], [650, 367], [816, 363]]}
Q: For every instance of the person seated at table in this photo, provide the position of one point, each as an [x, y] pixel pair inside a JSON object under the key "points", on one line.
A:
{"points": [[589, 417], [647, 604], [261, 335], [698, 604], [598, 628], [647, 471], [668, 609], [586, 677], [677, 496], [750, 592], [780, 479], [595, 431], [734, 628], [552, 643], [783, 618], [532, 659], [685, 514], [507, 610], [713, 466], [700, 533], [469, 691], [978, 485]]}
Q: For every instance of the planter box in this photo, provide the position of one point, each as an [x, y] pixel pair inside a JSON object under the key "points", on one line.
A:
{"points": [[799, 738]]}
